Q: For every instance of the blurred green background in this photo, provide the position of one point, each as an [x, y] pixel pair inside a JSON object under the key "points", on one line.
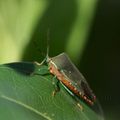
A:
{"points": [[87, 30]]}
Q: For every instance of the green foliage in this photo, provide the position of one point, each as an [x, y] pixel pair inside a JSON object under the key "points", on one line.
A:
{"points": [[18, 19], [24, 25], [23, 35], [25, 94]]}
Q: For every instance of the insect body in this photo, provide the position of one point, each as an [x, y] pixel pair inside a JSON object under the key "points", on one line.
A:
{"points": [[67, 73]]}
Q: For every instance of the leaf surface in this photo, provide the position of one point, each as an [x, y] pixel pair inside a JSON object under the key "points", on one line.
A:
{"points": [[26, 94]]}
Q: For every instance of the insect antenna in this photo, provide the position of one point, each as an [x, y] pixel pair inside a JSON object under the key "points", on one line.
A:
{"points": [[48, 44], [46, 59]]}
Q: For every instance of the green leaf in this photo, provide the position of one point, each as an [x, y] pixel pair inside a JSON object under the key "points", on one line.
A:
{"points": [[18, 19], [26, 94], [81, 28]]}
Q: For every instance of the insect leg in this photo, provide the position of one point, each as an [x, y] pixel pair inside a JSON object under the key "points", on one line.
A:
{"points": [[40, 70], [74, 97], [56, 85], [79, 105], [39, 64]]}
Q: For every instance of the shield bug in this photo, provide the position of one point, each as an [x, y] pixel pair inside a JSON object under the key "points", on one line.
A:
{"points": [[66, 72]]}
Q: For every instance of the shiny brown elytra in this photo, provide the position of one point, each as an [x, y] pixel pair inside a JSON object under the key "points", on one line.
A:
{"points": [[67, 73]]}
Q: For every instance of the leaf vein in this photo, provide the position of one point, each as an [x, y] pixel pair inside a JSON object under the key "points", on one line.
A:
{"points": [[26, 106]]}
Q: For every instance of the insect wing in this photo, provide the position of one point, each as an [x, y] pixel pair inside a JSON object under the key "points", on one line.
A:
{"points": [[65, 65]]}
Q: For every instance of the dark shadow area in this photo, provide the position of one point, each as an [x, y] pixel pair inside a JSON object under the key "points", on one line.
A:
{"points": [[58, 18], [101, 59], [25, 68]]}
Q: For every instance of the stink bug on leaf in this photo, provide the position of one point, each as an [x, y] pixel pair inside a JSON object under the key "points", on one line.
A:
{"points": [[73, 81], [67, 73]]}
